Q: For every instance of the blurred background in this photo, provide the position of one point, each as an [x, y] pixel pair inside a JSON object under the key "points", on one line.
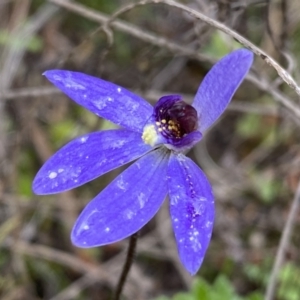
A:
{"points": [[251, 155]]}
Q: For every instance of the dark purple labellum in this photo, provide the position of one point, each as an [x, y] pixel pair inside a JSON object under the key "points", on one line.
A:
{"points": [[175, 118], [184, 116]]}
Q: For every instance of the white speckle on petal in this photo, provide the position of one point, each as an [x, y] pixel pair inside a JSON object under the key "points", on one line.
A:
{"points": [[199, 206], [181, 157], [119, 90], [107, 229], [118, 144], [176, 220], [52, 175], [208, 224], [60, 170], [133, 106], [69, 83], [100, 104], [142, 199], [76, 172], [121, 184], [174, 200], [86, 227], [196, 245], [129, 214], [57, 77], [83, 139], [101, 162]]}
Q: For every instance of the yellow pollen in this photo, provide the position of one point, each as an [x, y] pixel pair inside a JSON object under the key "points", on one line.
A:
{"points": [[157, 123], [164, 121], [149, 135]]}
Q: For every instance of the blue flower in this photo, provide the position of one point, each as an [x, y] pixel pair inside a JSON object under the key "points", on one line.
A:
{"points": [[156, 138]]}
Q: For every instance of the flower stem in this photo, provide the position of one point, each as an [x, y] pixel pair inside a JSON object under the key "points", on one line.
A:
{"points": [[127, 265]]}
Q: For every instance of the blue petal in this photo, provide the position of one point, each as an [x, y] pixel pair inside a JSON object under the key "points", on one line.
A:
{"points": [[125, 205], [87, 157], [219, 85], [192, 210], [103, 98]]}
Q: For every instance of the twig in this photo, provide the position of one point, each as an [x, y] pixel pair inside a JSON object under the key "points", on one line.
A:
{"points": [[182, 50], [57, 256], [270, 61], [283, 245], [151, 95], [238, 106], [30, 92], [126, 27], [147, 246], [75, 288], [11, 61], [105, 272], [128, 263], [266, 86], [14, 57]]}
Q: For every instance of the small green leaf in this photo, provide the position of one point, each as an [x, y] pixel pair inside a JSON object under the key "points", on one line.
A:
{"points": [[289, 279], [201, 289], [224, 288]]}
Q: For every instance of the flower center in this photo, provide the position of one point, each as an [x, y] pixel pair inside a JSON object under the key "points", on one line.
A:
{"points": [[172, 120], [176, 120]]}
